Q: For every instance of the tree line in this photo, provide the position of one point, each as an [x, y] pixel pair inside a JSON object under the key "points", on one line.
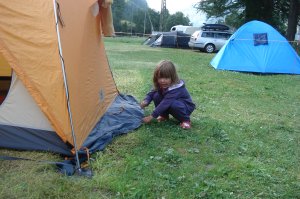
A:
{"points": [[134, 16], [284, 15]]}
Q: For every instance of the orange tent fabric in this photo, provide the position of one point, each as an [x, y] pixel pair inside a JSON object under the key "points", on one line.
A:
{"points": [[30, 44]]}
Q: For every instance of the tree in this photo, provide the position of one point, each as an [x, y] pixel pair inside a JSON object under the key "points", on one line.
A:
{"points": [[277, 13], [235, 19], [176, 19], [135, 16], [164, 25], [154, 18], [139, 20], [219, 8], [293, 19], [259, 10], [246, 10], [124, 13], [118, 10]]}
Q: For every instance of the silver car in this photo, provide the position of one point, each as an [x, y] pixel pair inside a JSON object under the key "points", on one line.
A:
{"points": [[208, 40]]}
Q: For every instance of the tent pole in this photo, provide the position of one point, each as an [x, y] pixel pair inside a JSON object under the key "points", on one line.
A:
{"points": [[66, 87]]}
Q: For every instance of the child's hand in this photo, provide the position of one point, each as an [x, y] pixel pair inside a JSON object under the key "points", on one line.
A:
{"points": [[143, 104], [147, 119]]}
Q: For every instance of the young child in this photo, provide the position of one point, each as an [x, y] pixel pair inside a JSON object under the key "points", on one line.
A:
{"points": [[169, 96]]}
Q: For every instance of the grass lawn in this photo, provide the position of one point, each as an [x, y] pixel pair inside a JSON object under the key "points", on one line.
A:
{"points": [[244, 141]]}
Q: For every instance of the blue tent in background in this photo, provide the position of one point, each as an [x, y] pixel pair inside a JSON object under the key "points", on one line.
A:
{"points": [[257, 47]]}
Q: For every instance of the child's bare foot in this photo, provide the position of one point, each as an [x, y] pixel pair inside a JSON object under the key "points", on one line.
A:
{"points": [[162, 118], [185, 125]]}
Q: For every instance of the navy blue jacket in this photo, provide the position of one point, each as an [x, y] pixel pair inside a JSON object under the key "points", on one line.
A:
{"points": [[175, 92]]}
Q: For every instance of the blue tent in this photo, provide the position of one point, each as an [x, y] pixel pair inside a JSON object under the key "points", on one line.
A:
{"points": [[257, 47]]}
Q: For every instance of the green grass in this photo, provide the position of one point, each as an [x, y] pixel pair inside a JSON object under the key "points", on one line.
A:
{"points": [[244, 141]]}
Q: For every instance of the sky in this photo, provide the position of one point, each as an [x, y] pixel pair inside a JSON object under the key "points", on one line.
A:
{"points": [[184, 6]]}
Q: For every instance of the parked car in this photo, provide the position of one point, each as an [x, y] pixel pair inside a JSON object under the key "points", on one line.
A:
{"points": [[208, 40]]}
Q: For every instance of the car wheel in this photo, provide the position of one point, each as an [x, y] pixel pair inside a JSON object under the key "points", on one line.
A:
{"points": [[209, 48]]}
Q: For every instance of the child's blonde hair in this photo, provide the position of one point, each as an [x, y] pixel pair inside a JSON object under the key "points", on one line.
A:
{"points": [[165, 69]]}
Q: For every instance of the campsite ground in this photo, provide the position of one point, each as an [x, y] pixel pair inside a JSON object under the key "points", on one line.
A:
{"points": [[244, 142]]}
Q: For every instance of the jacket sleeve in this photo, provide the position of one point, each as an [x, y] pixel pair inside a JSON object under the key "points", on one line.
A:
{"points": [[149, 96]]}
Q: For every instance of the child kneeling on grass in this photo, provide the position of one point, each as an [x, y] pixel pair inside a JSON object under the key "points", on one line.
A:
{"points": [[169, 95]]}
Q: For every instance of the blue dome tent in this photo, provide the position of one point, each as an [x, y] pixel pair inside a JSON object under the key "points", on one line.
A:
{"points": [[257, 47]]}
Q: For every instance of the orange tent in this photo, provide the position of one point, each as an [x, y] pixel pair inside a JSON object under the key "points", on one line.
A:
{"points": [[61, 83]]}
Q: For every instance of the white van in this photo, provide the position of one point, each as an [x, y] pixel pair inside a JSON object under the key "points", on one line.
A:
{"points": [[209, 40], [185, 29]]}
